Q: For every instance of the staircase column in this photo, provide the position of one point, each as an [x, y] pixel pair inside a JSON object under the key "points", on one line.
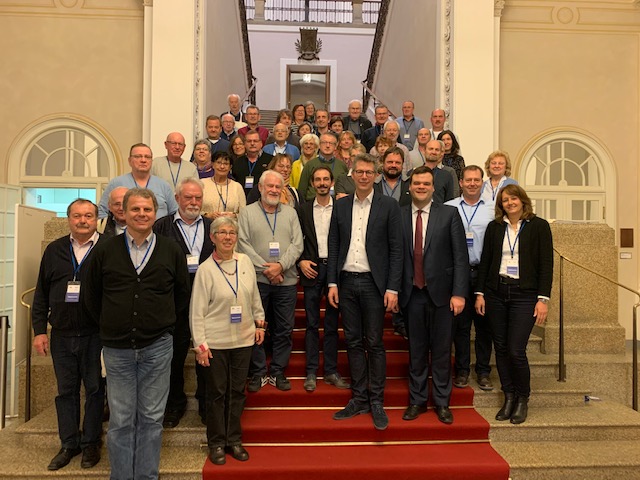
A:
{"points": [[357, 12], [259, 15]]}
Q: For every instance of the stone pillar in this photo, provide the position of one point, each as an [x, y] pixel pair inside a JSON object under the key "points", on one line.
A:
{"points": [[357, 12], [259, 15]]}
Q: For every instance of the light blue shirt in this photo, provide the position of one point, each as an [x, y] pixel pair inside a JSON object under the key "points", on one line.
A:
{"points": [[140, 255], [193, 235], [475, 219], [164, 194]]}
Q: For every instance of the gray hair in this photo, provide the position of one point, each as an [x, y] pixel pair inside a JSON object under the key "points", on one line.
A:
{"points": [[270, 173], [186, 181], [355, 100], [221, 222], [310, 136]]}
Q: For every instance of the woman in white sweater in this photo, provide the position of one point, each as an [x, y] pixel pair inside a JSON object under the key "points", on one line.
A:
{"points": [[226, 318]]}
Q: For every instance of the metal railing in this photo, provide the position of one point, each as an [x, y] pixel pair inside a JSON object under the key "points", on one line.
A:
{"points": [[27, 373], [562, 367], [367, 94], [250, 96]]}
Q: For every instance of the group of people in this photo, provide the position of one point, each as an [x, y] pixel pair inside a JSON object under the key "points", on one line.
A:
{"points": [[206, 254]]}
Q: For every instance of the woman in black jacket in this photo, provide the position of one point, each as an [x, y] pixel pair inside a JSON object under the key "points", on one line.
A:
{"points": [[514, 286]]}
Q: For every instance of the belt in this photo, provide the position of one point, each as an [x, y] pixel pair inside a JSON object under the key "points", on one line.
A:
{"points": [[473, 268], [323, 261], [508, 280], [356, 274]]}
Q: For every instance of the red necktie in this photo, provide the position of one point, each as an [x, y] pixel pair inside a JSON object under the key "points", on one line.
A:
{"points": [[418, 261]]}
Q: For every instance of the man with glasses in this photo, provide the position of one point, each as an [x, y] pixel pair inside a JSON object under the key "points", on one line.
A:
{"points": [[355, 121], [371, 134], [328, 145], [364, 276], [114, 224], [140, 160], [252, 117], [228, 127], [248, 168], [172, 168]]}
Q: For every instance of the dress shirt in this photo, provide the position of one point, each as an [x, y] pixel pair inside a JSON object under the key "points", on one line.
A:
{"points": [[425, 220], [193, 234], [322, 222], [357, 260], [140, 255], [475, 218], [80, 250], [393, 192], [511, 240]]}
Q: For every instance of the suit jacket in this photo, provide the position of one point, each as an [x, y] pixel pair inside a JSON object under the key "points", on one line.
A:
{"points": [[383, 241], [446, 259], [363, 121], [405, 195], [310, 252], [535, 258], [370, 135]]}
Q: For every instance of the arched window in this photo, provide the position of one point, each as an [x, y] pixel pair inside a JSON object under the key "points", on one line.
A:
{"points": [[568, 176]]}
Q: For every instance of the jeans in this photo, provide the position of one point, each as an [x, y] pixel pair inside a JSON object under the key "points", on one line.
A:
{"points": [[363, 312], [282, 300], [77, 359], [138, 390], [312, 297], [510, 312]]}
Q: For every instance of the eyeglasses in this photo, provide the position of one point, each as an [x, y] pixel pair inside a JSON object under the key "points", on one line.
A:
{"points": [[138, 157], [202, 149], [176, 144], [227, 234], [368, 173], [328, 143]]}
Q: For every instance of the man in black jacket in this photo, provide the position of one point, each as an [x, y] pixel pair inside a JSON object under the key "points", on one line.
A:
{"points": [[355, 121], [75, 342]]}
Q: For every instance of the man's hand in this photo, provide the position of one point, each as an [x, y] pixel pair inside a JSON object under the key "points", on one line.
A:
{"points": [[41, 344], [259, 336], [540, 312], [272, 271], [391, 301], [480, 305], [456, 304], [306, 267], [332, 296]]}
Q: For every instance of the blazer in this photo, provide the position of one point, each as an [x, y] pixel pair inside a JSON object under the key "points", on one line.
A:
{"points": [[310, 239], [383, 241], [445, 255], [535, 260]]}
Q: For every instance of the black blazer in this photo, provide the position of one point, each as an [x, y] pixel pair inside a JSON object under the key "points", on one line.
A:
{"points": [[445, 255], [535, 258], [370, 136], [383, 241], [405, 195], [362, 121], [310, 252]]}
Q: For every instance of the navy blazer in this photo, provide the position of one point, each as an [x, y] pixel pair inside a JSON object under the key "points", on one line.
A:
{"points": [[383, 241], [445, 255]]}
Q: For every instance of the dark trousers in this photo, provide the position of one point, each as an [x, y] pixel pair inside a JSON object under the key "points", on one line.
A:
{"points": [[75, 360], [363, 312], [280, 300], [462, 335], [510, 312], [312, 297], [225, 380], [177, 401], [429, 330]]}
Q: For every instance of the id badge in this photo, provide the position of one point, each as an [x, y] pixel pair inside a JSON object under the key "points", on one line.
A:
{"points": [[248, 182], [274, 249], [512, 268], [407, 136], [192, 263], [469, 236], [236, 313], [73, 292]]}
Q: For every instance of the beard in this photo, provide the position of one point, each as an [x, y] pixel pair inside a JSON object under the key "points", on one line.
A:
{"points": [[271, 201], [191, 213], [392, 174]]}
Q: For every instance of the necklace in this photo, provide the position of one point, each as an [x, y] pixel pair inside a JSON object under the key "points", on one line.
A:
{"points": [[228, 273]]}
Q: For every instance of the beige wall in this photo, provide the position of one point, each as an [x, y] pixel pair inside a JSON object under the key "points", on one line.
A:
{"points": [[85, 59]]}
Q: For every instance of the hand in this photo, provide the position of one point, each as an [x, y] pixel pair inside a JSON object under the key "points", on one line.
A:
{"points": [[203, 358], [390, 301], [41, 344], [306, 268], [456, 304], [272, 271], [480, 305], [540, 312], [277, 280], [340, 195], [259, 336], [332, 296]]}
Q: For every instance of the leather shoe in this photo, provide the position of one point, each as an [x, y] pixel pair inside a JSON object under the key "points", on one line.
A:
{"points": [[216, 455], [412, 412], [520, 411], [172, 418], [484, 382], [351, 410], [310, 383], [380, 418], [239, 453], [90, 456], [401, 331], [461, 380], [337, 381], [444, 415], [63, 458], [507, 407]]}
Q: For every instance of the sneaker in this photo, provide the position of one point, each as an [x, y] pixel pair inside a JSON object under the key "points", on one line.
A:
{"points": [[401, 331], [484, 382], [351, 410], [310, 383], [380, 419], [461, 380], [280, 382], [256, 383], [336, 380]]}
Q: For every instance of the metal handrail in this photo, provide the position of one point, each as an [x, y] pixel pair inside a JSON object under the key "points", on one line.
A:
{"points": [[561, 363], [27, 375], [366, 89], [251, 94]]}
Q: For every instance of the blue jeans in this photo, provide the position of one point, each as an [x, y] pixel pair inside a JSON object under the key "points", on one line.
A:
{"points": [[138, 389]]}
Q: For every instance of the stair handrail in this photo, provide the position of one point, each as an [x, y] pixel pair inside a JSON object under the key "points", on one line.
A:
{"points": [[562, 376], [251, 80], [251, 93], [377, 101], [27, 374], [383, 12]]}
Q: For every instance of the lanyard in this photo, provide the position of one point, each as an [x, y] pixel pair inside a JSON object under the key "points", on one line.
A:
{"points": [[235, 291], [388, 191], [275, 219], [190, 244], [135, 184], [174, 179], [252, 165], [224, 201], [404, 121], [126, 242], [469, 220], [515, 242], [494, 191], [74, 260]]}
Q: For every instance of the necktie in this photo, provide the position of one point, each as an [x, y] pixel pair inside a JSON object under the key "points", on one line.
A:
{"points": [[418, 265]]}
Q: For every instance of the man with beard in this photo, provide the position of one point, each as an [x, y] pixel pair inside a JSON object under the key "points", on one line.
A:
{"points": [[114, 224], [328, 145], [390, 182], [191, 231], [442, 178], [269, 234]]}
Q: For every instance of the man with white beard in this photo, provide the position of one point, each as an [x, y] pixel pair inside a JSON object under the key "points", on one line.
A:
{"points": [[270, 234]]}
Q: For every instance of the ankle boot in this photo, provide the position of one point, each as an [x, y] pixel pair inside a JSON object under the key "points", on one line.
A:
{"points": [[505, 412], [519, 414]]}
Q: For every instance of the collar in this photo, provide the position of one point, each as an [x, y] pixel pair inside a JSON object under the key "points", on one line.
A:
{"points": [[131, 242], [462, 200], [93, 239], [368, 198], [316, 204], [426, 209], [177, 217]]}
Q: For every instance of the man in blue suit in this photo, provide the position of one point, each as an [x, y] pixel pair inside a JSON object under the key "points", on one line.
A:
{"points": [[434, 283], [364, 275]]}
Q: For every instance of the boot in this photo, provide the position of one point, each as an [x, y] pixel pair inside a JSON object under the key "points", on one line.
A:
{"points": [[519, 414], [505, 412]]}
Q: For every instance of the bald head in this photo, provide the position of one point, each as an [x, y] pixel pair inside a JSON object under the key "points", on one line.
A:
{"points": [[437, 119], [115, 204], [175, 146]]}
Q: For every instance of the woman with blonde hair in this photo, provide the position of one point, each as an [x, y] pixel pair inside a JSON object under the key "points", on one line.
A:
{"points": [[498, 168]]}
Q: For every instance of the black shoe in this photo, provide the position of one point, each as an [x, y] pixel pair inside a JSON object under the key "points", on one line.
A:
{"points": [[256, 383], [401, 331], [63, 458], [444, 415], [351, 410], [216, 455], [90, 456], [380, 418], [310, 383], [413, 411], [280, 382], [520, 411], [484, 382], [336, 380], [461, 380], [507, 408], [239, 453], [172, 418]]}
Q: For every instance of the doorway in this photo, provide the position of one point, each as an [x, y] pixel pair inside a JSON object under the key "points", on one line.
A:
{"points": [[309, 82]]}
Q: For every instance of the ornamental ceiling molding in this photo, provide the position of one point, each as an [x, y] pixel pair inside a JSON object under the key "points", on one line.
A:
{"points": [[498, 6]]}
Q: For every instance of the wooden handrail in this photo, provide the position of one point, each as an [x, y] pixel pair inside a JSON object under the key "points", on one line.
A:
{"points": [[27, 375]]}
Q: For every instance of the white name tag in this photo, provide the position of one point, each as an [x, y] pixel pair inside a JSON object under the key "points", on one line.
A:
{"points": [[192, 263], [407, 136], [248, 182], [274, 249], [512, 268], [469, 236], [73, 292], [236, 313]]}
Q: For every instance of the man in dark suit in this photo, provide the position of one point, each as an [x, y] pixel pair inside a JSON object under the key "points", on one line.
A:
{"points": [[191, 231], [315, 218], [365, 267], [434, 282], [371, 134]]}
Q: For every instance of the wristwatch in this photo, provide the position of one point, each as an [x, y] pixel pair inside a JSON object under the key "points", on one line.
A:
{"points": [[543, 300]]}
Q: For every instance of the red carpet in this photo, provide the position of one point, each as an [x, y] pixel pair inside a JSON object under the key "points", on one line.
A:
{"points": [[292, 435]]}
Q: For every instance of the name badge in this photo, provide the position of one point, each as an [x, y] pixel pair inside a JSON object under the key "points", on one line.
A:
{"points": [[406, 136], [274, 249], [73, 292], [512, 268], [248, 182], [332, 192], [469, 236], [236, 313], [192, 263]]}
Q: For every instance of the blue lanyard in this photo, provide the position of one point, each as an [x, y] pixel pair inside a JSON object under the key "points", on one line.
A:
{"points": [[515, 242], [494, 191], [174, 179], [135, 184], [74, 260], [190, 244], [275, 220], [252, 165], [388, 191], [224, 202], [465, 213], [235, 291], [126, 242]]}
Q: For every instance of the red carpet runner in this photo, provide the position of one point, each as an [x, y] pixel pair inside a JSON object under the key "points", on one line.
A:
{"points": [[292, 436]]}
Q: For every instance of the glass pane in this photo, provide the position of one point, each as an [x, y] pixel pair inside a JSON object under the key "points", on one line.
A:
{"points": [[573, 174], [577, 210], [56, 199]]}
